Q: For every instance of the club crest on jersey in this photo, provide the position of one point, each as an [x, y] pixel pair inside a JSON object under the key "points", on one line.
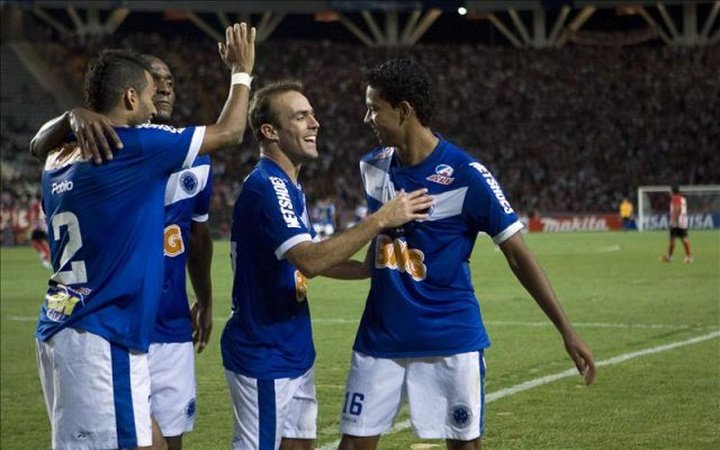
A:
{"points": [[461, 416], [190, 409], [443, 175], [189, 182]]}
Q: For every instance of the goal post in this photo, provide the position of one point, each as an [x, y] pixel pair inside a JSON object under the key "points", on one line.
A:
{"points": [[703, 206]]}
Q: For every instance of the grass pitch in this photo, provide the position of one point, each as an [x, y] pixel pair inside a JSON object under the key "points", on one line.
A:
{"points": [[655, 329]]}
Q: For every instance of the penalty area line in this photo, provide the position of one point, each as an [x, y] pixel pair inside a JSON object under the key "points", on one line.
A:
{"points": [[537, 382]]}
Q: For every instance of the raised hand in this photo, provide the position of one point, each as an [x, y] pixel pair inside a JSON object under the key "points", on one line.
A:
{"points": [[238, 51]]}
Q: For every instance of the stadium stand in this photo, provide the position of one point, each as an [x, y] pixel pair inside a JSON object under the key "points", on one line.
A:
{"points": [[570, 130]]}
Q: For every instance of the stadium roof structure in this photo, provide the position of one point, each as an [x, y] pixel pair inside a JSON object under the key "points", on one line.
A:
{"points": [[520, 23]]}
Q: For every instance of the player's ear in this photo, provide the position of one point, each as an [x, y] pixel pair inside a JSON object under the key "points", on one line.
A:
{"points": [[405, 111], [131, 99], [269, 132]]}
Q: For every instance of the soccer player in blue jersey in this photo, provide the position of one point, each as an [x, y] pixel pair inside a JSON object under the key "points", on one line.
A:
{"points": [[267, 346], [106, 231], [421, 336], [187, 200]]}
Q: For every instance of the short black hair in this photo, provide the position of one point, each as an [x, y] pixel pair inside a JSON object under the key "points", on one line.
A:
{"points": [[110, 74], [260, 110], [675, 189], [404, 79]]}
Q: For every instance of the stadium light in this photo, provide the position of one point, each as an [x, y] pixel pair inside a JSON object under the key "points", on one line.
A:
{"points": [[462, 10]]}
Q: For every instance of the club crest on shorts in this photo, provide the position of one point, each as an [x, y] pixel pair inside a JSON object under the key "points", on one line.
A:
{"points": [[190, 409], [461, 416], [188, 182]]}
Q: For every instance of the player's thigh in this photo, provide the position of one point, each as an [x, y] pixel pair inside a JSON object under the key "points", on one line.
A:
{"points": [[172, 386], [299, 405], [373, 395], [262, 409], [100, 392], [446, 396]]}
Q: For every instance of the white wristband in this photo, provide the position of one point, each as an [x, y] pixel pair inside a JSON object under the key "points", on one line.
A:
{"points": [[241, 78]]}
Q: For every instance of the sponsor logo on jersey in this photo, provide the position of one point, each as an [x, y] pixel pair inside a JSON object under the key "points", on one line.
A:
{"points": [[163, 127], [395, 255], [494, 186], [189, 182], [461, 416], [443, 175], [62, 186], [286, 206], [61, 301], [300, 287], [173, 242]]}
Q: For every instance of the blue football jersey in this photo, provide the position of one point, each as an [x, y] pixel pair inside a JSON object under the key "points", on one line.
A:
{"points": [[105, 228], [187, 199], [269, 333], [422, 301]]}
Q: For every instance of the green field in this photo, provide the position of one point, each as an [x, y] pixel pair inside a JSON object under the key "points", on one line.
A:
{"points": [[656, 388]]}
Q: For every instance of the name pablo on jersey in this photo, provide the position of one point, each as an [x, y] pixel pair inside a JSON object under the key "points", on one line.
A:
{"points": [[395, 254]]}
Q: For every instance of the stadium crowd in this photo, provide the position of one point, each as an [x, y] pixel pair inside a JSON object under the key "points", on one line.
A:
{"points": [[569, 130]]}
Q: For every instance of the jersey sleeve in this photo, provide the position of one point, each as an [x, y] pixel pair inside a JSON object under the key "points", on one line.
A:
{"points": [[201, 207], [167, 149], [284, 223], [486, 206]]}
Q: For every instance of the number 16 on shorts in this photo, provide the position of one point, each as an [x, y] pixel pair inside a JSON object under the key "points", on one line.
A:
{"points": [[353, 403]]}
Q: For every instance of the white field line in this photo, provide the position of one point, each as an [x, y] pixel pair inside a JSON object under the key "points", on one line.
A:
{"points": [[544, 323], [405, 424]]}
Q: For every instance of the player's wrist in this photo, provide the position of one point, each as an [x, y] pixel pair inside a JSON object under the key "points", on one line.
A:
{"points": [[239, 77]]}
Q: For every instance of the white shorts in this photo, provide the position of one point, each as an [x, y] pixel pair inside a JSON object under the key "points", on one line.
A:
{"points": [[446, 395], [96, 392], [172, 386], [265, 411]]}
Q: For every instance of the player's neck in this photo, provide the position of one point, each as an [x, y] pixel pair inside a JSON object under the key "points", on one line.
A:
{"points": [[281, 159], [418, 145]]}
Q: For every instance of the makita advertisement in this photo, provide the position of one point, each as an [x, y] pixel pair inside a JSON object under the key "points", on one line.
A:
{"points": [[606, 222]]}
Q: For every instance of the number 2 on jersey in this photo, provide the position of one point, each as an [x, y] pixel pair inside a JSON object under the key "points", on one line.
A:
{"points": [[77, 273]]}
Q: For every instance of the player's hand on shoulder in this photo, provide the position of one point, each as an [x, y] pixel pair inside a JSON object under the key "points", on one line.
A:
{"points": [[94, 133], [238, 51], [404, 208]]}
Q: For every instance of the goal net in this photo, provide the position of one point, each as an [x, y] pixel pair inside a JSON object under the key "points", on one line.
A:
{"points": [[703, 206]]}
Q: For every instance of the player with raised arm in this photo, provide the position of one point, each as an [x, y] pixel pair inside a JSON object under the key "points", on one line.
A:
{"points": [[106, 231], [678, 226], [421, 337], [267, 345], [187, 241]]}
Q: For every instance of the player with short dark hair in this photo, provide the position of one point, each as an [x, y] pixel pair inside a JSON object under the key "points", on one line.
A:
{"points": [[267, 345], [106, 231], [421, 336], [678, 225]]}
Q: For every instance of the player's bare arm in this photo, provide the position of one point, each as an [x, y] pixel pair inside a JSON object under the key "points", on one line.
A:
{"points": [[198, 264], [238, 54], [528, 271], [353, 269], [94, 133], [315, 258]]}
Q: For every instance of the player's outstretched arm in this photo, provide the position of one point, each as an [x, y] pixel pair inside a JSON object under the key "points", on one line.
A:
{"points": [[198, 264], [531, 276], [238, 54], [352, 269], [94, 133], [315, 258]]}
